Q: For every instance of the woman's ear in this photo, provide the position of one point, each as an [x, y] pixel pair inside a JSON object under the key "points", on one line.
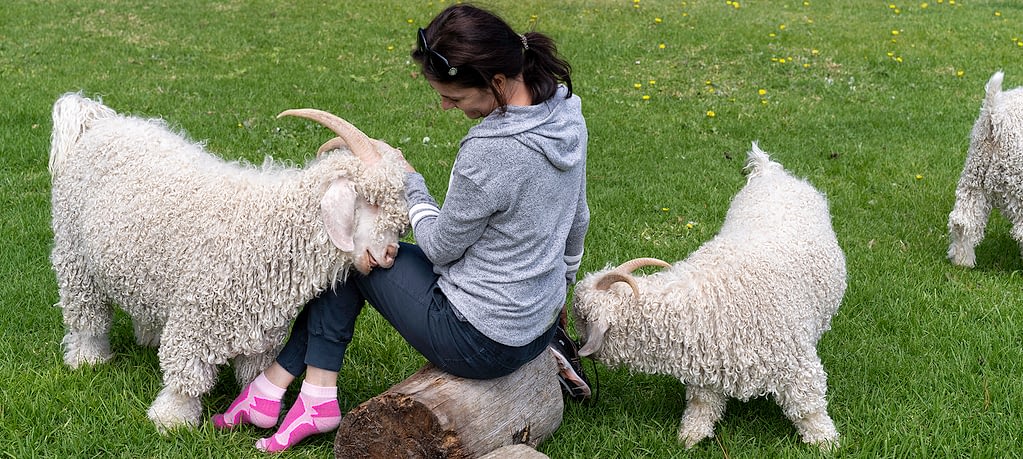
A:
{"points": [[500, 82]]}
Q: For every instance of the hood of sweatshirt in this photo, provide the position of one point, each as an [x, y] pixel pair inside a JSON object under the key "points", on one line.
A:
{"points": [[554, 128]]}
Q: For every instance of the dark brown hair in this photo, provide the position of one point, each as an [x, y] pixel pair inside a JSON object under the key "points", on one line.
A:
{"points": [[477, 45]]}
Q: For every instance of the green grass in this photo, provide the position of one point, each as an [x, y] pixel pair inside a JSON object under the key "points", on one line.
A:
{"points": [[872, 102]]}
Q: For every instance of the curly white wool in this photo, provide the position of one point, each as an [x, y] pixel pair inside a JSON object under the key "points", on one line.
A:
{"points": [[211, 259], [741, 316], [992, 176]]}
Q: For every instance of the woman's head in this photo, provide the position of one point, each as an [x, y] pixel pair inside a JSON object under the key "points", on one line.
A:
{"points": [[470, 48]]}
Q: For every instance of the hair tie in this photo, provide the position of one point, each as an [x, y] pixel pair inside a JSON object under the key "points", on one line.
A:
{"points": [[525, 43]]}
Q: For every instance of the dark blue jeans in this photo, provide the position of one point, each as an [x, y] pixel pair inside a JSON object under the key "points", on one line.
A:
{"points": [[408, 297]]}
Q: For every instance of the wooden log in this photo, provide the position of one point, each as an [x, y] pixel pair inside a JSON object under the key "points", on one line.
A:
{"points": [[519, 451], [436, 415]]}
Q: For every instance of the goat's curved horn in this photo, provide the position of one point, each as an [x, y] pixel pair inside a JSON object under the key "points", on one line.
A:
{"points": [[634, 264], [332, 144], [611, 277], [359, 142]]}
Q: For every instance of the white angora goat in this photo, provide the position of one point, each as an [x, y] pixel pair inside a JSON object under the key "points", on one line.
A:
{"points": [[993, 174], [739, 317], [211, 259]]}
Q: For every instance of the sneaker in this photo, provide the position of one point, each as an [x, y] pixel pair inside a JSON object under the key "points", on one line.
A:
{"points": [[573, 381]]}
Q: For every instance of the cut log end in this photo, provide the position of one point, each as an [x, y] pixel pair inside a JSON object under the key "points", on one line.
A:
{"points": [[436, 415], [395, 425]]}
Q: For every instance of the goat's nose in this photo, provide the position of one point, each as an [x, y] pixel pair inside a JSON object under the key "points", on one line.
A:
{"points": [[392, 252]]}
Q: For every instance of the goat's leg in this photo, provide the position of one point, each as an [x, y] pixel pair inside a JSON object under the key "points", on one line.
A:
{"points": [[803, 401], [147, 333], [186, 377], [87, 315], [966, 224], [704, 408], [1017, 227]]}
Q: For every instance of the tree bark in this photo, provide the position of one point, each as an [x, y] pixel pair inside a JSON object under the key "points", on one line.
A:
{"points": [[515, 452], [436, 415]]}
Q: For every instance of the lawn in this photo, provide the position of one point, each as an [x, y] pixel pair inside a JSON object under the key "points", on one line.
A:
{"points": [[871, 101]]}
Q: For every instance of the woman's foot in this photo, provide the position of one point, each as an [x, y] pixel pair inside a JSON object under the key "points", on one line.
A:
{"points": [[259, 404], [315, 411]]}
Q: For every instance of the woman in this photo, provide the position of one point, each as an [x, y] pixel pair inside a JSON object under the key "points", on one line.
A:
{"points": [[481, 293]]}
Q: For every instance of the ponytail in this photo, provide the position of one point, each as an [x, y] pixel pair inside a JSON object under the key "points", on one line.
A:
{"points": [[543, 68]]}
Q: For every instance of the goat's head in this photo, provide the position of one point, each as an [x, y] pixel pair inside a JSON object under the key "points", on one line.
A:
{"points": [[363, 215], [595, 299]]}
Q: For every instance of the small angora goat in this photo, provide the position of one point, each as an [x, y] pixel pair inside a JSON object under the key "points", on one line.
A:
{"points": [[993, 174], [211, 259], [739, 317]]}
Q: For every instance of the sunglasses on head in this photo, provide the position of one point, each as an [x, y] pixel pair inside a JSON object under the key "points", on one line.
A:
{"points": [[433, 57]]}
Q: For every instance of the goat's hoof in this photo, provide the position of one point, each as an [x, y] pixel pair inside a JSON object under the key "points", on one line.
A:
{"points": [[86, 350], [690, 439], [172, 410]]}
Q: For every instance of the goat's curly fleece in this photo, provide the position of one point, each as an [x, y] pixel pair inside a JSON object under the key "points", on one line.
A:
{"points": [[992, 176], [211, 259], [741, 316]]}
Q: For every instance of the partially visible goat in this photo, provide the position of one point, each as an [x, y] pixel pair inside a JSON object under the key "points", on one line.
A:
{"points": [[211, 259], [739, 317], [993, 174]]}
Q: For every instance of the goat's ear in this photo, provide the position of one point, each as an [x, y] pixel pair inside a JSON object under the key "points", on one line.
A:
{"points": [[337, 210], [594, 337]]}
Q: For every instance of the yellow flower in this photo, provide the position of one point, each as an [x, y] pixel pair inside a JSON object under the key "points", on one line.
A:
{"points": [[652, 82], [762, 91], [657, 20], [664, 209], [646, 97], [661, 46], [409, 20], [960, 73], [637, 85], [919, 177], [895, 32], [711, 114], [923, 6]]}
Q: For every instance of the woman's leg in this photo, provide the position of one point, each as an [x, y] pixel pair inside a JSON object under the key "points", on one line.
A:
{"points": [[408, 297], [318, 339], [317, 346]]}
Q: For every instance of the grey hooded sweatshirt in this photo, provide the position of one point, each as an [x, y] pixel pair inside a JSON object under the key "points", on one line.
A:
{"points": [[509, 238]]}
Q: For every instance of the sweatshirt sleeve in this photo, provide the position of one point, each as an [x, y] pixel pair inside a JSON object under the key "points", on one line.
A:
{"points": [[444, 236], [576, 237]]}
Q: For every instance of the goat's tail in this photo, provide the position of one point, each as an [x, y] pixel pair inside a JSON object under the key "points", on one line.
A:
{"points": [[985, 128], [759, 161], [992, 89], [72, 115]]}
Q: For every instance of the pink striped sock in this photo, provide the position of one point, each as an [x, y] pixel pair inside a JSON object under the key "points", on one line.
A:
{"points": [[259, 404], [315, 411]]}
